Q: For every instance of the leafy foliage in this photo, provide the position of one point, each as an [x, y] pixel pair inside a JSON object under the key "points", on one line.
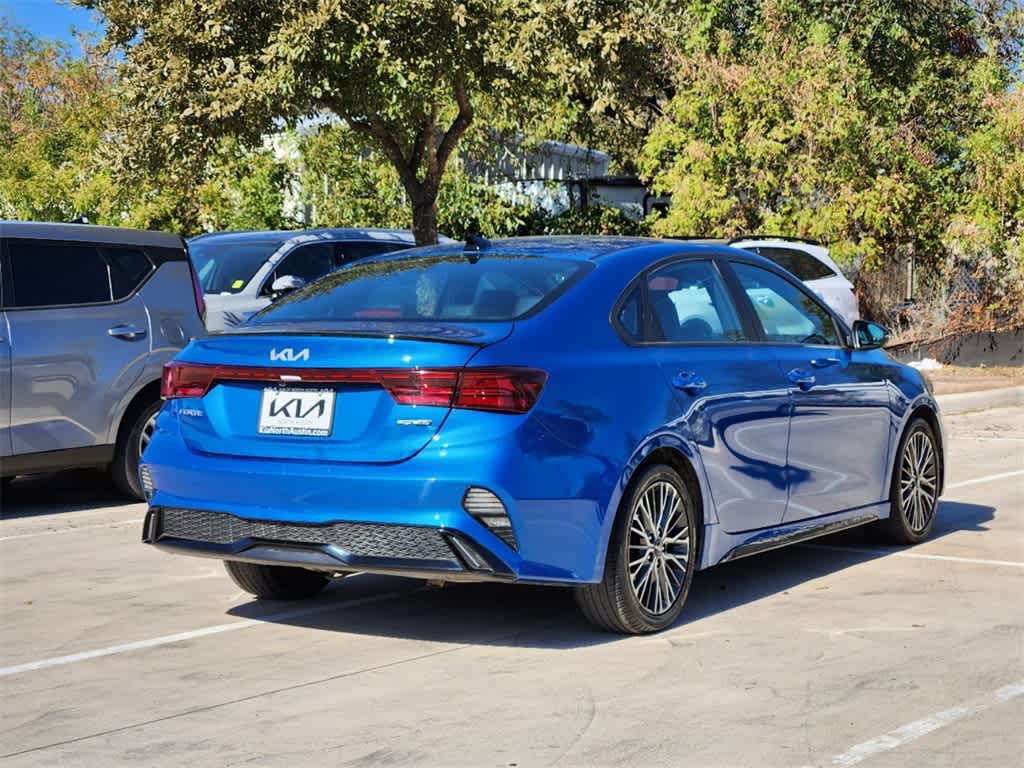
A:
{"points": [[52, 112], [409, 76], [843, 122], [58, 118]]}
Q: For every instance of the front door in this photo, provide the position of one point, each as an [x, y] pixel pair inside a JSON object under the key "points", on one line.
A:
{"points": [[733, 402], [839, 431], [76, 350]]}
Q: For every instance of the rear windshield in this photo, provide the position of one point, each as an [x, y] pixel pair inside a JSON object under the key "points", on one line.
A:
{"points": [[228, 266], [439, 288], [800, 263]]}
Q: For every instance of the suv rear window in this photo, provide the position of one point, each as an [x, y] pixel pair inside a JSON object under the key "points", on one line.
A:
{"points": [[128, 268], [47, 273], [437, 288], [800, 263]]}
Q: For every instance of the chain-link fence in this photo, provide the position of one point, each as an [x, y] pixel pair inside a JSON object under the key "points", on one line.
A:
{"points": [[920, 304]]}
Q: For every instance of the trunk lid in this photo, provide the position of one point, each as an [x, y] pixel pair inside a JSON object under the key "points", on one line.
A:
{"points": [[285, 393]]}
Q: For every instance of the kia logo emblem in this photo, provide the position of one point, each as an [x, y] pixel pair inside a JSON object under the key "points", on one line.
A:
{"points": [[289, 355]]}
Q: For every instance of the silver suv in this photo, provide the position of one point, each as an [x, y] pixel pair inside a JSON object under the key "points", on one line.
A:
{"points": [[88, 317]]}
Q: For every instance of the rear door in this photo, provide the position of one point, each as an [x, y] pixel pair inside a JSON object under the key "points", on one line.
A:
{"points": [[731, 397], [839, 433], [5, 387], [5, 367], [79, 338]]}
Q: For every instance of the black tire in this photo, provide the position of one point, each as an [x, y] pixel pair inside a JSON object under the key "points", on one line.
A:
{"points": [[124, 469], [614, 604], [276, 582], [910, 520]]}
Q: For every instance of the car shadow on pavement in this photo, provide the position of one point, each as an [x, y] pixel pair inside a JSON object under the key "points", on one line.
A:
{"points": [[59, 493], [546, 617]]}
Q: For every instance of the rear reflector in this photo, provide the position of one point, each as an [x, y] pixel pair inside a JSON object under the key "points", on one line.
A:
{"points": [[502, 390], [488, 509]]}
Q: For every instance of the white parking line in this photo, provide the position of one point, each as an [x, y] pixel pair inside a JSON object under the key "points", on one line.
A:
{"points": [[915, 555], [915, 730], [216, 629], [985, 479]]}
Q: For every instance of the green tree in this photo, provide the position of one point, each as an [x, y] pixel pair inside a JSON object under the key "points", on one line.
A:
{"points": [[246, 189], [843, 122], [53, 110], [409, 76], [58, 115]]}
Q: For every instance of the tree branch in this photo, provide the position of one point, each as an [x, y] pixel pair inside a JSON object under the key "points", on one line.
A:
{"points": [[455, 131], [426, 127], [375, 127]]}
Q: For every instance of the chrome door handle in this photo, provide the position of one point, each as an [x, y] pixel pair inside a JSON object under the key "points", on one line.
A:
{"points": [[689, 382], [802, 379], [127, 331], [825, 362]]}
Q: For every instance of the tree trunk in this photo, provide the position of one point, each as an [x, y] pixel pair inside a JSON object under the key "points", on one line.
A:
{"points": [[424, 216], [422, 190]]}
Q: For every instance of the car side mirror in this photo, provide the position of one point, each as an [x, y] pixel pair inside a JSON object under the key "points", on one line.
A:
{"points": [[868, 335], [285, 284]]}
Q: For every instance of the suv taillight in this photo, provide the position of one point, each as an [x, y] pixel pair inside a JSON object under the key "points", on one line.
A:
{"points": [[501, 390]]}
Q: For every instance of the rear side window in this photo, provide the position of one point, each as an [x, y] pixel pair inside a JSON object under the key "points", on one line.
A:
{"points": [[800, 263], [436, 288], [689, 303], [629, 316], [48, 274], [129, 267], [354, 251]]}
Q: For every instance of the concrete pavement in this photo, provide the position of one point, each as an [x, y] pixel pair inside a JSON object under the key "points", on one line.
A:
{"points": [[838, 653]]}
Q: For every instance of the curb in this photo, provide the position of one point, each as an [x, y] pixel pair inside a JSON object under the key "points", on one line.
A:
{"points": [[1007, 397]]}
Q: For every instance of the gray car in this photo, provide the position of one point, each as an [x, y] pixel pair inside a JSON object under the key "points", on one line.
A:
{"points": [[243, 272], [88, 317]]}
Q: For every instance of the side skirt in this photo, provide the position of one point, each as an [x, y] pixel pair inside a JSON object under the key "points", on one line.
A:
{"points": [[736, 546], [53, 461]]}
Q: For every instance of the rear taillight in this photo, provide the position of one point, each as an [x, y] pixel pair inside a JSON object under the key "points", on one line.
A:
{"points": [[186, 380], [505, 390], [420, 387], [502, 390]]}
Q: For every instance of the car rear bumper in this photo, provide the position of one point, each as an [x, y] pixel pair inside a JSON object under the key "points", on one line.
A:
{"points": [[410, 517], [416, 551]]}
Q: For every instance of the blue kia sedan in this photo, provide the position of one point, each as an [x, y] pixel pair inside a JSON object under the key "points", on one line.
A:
{"points": [[608, 414]]}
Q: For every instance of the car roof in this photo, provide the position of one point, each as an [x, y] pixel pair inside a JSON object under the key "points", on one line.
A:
{"points": [[89, 233], [332, 233], [589, 248]]}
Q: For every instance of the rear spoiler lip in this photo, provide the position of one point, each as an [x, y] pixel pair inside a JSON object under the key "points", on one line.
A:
{"points": [[473, 335], [358, 334]]}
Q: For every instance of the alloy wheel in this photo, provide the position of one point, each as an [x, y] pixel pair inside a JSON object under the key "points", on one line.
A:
{"points": [[919, 475], [659, 547]]}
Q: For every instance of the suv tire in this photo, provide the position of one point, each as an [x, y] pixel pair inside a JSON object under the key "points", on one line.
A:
{"points": [[125, 468], [651, 557], [276, 582]]}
